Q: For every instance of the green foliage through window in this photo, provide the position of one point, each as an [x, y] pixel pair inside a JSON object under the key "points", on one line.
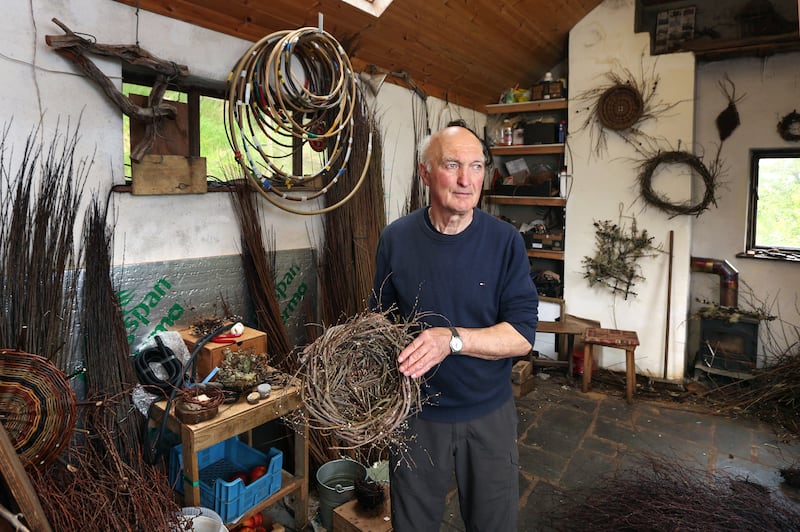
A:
{"points": [[775, 200]]}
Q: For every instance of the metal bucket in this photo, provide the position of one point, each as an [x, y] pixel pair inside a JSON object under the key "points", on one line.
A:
{"points": [[336, 482]]}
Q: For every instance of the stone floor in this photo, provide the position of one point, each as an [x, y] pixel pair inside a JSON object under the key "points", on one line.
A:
{"points": [[570, 440]]}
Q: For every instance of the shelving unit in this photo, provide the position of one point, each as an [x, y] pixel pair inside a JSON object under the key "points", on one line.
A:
{"points": [[240, 418], [521, 208]]}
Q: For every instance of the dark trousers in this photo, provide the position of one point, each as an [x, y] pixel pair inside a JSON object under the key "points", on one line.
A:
{"points": [[483, 453]]}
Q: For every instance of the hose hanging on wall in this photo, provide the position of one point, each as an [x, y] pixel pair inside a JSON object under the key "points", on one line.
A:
{"points": [[290, 89]]}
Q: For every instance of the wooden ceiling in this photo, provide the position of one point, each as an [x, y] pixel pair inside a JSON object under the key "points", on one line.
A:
{"points": [[465, 51]]}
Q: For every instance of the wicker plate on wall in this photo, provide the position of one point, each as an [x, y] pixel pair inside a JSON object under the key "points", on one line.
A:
{"points": [[620, 107]]}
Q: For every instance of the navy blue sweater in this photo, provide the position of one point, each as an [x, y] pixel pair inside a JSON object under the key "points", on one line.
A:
{"points": [[477, 278]]}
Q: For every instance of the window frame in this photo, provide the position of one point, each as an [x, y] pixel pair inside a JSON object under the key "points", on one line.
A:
{"points": [[752, 249], [195, 88]]}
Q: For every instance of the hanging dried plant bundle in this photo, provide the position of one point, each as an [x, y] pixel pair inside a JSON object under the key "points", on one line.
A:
{"points": [[708, 174], [352, 388], [620, 105], [614, 264], [728, 119]]}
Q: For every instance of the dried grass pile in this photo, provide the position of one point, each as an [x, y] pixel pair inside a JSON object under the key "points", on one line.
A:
{"points": [[663, 494], [772, 395], [352, 389]]}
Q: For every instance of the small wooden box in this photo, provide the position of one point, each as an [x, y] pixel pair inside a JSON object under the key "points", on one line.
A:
{"points": [[210, 356], [347, 519]]}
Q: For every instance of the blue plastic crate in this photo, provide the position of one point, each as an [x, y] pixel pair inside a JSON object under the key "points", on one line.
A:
{"points": [[230, 500]]}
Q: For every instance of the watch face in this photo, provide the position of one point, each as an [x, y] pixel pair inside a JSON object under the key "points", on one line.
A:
{"points": [[455, 344]]}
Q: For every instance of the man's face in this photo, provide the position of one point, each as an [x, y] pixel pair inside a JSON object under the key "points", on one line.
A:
{"points": [[455, 177]]}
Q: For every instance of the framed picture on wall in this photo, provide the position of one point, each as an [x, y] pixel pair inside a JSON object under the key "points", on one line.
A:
{"points": [[673, 28]]}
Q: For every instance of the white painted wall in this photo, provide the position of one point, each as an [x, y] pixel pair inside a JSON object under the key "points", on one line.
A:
{"points": [[770, 87], [40, 83], [605, 187]]}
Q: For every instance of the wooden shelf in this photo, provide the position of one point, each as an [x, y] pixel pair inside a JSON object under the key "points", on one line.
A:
{"points": [[546, 254], [527, 107], [528, 149], [526, 200]]}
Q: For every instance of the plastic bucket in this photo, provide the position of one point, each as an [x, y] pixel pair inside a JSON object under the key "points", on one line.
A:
{"points": [[203, 519], [336, 482]]}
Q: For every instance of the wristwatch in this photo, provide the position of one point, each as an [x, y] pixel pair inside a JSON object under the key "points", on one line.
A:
{"points": [[455, 342]]}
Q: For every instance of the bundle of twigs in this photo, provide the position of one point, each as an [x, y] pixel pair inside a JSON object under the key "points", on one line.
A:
{"points": [[347, 261], [96, 487], [665, 495], [37, 290], [258, 262], [772, 395], [352, 389], [107, 359]]}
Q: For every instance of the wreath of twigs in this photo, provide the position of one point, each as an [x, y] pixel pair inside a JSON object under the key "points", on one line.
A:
{"points": [[789, 127], [352, 388], [695, 163], [620, 105]]}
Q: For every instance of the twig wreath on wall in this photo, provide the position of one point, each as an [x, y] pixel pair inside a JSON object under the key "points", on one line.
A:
{"points": [[789, 127], [655, 199], [727, 121]]}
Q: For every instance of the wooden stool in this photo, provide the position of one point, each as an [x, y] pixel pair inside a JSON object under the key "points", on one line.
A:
{"points": [[627, 340]]}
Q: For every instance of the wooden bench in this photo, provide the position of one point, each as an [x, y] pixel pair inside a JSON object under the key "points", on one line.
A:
{"points": [[627, 340]]}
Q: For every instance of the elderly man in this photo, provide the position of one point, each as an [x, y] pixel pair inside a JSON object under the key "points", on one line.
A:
{"points": [[466, 275]]}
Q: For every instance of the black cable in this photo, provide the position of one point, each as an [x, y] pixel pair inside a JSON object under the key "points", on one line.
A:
{"points": [[152, 452]]}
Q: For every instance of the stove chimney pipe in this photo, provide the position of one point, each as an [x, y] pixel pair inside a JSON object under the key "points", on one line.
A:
{"points": [[728, 278]]}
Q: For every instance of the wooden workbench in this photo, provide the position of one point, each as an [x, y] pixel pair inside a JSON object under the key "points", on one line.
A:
{"points": [[239, 418]]}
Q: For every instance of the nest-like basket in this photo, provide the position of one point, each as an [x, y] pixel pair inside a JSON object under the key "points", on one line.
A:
{"points": [[352, 387], [37, 405], [620, 107]]}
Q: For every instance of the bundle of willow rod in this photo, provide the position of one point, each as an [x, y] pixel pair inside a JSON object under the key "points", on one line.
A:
{"points": [[352, 388], [290, 89], [38, 290], [258, 263], [347, 260], [106, 350]]}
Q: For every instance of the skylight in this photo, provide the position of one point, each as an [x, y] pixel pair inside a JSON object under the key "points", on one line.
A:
{"points": [[373, 7]]}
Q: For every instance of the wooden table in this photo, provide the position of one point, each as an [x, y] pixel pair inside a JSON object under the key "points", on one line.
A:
{"points": [[568, 328], [236, 419]]}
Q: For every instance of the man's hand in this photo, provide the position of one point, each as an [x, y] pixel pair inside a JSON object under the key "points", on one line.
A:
{"points": [[427, 350]]}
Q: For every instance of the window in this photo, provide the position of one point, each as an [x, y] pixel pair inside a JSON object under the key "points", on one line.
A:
{"points": [[200, 130], [774, 210]]}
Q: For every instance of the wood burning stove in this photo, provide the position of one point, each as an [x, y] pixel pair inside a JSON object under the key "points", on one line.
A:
{"points": [[730, 346]]}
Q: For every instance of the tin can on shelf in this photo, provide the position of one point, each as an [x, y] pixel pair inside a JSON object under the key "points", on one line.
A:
{"points": [[506, 136]]}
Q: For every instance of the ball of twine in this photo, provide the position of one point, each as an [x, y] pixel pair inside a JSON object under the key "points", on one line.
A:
{"points": [[620, 107], [352, 388], [660, 201]]}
